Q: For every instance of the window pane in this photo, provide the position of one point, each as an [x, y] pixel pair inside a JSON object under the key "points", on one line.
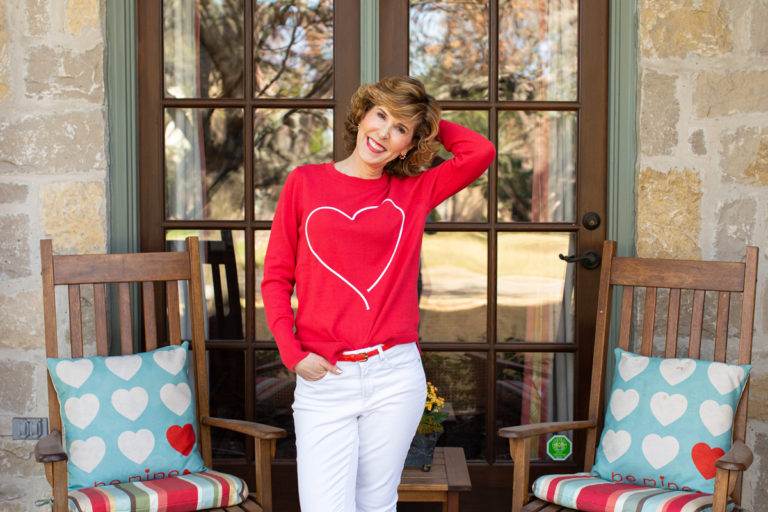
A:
{"points": [[449, 47], [204, 163], [453, 287], [537, 166], [226, 377], [535, 292], [538, 50], [532, 388], [260, 241], [471, 203], [293, 49], [222, 255], [460, 378], [274, 398], [203, 49], [283, 139]]}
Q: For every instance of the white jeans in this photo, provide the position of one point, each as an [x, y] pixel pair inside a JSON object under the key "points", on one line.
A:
{"points": [[353, 431]]}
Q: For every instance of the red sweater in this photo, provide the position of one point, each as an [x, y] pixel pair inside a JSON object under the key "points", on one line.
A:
{"points": [[351, 245]]}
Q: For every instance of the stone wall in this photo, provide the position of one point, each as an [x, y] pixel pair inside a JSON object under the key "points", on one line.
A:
{"points": [[702, 167], [53, 176]]}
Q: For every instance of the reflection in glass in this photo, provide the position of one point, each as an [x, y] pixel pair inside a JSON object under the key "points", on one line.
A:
{"points": [[204, 163], [537, 166], [460, 377], [449, 47], [538, 50], [274, 398], [535, 292], [452, 287], [226, 377], [471, 203], [283, 139], [222, 255], [260, 241], [293, 49], [203, 48], [532, 388]]}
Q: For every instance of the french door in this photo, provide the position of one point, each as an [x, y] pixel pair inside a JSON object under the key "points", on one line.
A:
{"points": [[234, 94]]}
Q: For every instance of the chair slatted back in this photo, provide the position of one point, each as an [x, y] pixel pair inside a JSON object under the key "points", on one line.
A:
{"points": [[726, 279], [97, 271]]}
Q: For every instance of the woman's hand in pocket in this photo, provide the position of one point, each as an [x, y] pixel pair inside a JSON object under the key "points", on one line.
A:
{"points": [[314, 367]]}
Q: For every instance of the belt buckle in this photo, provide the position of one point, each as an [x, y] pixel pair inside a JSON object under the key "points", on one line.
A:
{"points": [[365, 356]]}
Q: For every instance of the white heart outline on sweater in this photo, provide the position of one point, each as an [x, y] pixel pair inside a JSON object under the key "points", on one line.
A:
{"points": [[352, 218]]}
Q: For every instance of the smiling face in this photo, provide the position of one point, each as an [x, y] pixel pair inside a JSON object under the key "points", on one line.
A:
{"points": [[381, 137]]}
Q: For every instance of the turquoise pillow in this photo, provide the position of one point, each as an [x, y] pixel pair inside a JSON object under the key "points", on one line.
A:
{"points": [[127, 418], [668, 421]]}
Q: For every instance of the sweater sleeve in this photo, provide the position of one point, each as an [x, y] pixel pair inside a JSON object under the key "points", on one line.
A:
{"points": [[472, 154], [279, 274]]}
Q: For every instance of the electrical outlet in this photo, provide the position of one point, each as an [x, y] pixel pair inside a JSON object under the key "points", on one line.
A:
{"points": [[29, 428]]}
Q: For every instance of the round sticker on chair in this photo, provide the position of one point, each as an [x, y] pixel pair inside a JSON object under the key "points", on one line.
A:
{"points": [[559, 447]]}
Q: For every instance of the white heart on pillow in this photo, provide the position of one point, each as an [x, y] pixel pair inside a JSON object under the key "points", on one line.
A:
{"points": [[171, 361], [623, 403], [124, 367], [668, 408], [82, 411], [87, 454], [676, 371], [725, 377], [660, 451], [632, 366], [136, 445], [130, 402], [176, 397], [717, 418], [615, 444], [74, 373]]}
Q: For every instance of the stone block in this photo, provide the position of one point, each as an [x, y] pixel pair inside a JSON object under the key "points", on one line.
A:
{"points": [[21, 316], [659, 113], [697, 142], [37, 17], [675, 28], [61, 143], [725, 93], [735, 228], [744, 155], [13, 193], [5, 57], [758, 35], [61, 73], [17, 386], [74, 216], [668, 214], [14, 246], [82, 14]]}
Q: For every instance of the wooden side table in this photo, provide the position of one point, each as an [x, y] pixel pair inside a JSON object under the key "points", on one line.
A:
{"points": [[447, 477]]}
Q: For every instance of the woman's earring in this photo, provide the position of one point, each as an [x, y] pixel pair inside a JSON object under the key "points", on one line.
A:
{"points": [[402, 156]]}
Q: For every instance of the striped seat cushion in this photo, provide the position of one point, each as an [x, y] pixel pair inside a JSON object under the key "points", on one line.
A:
{"points": [[195, 491], [582, 491]]}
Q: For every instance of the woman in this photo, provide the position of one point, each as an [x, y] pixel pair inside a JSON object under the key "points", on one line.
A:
{"points": [[348, 234]]}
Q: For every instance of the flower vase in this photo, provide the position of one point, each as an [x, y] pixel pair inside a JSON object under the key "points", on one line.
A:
{"points": [[421, 451]]}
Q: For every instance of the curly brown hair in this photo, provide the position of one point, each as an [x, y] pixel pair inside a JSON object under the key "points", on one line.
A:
{"points": [[405, 97]]}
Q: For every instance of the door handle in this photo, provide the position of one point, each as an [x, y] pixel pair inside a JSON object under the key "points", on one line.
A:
{"points": [[589, 260]]}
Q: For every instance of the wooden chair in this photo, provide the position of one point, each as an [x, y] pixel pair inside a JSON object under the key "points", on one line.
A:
{"points": [[723, 277], [97, 270]]}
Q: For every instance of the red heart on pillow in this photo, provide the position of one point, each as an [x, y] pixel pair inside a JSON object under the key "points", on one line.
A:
{"points": [[182, 439], [704, 459]]}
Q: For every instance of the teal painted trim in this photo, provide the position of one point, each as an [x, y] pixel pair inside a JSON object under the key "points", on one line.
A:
{"points": [[369, 41], [622, 144], [123, 171]]}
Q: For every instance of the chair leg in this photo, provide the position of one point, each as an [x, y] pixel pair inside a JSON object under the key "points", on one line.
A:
{"points": [[265, 453], [520, 450], [722, 487]]}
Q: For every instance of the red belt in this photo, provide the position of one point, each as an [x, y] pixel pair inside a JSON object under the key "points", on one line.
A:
{"points": [[363, 356]]}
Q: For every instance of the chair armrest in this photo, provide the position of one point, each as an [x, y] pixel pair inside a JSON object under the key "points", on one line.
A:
{"points": [[738, 458], [536, 429], [257, 430], [49, 448]]}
